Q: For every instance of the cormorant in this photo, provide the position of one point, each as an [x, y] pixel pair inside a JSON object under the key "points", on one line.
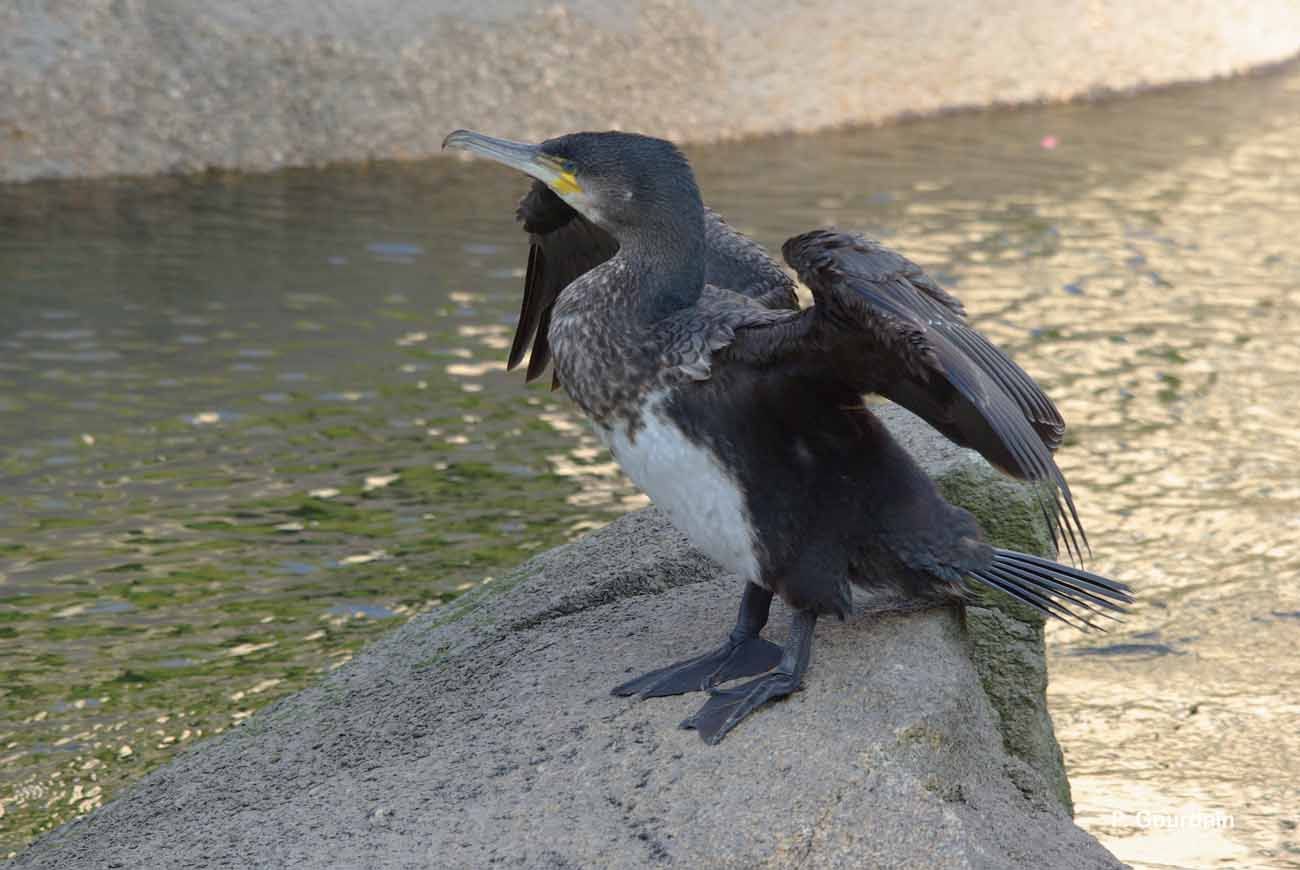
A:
{"points": [[742, 416]]}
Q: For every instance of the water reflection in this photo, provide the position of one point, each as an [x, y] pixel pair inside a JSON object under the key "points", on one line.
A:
{"points": [[248, 421]]}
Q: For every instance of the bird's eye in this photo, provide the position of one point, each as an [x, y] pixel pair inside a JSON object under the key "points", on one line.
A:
{"points": [[569, 166]]}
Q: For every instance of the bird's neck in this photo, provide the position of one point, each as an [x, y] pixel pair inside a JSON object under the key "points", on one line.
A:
{"points": [[665, 269], [602, 327]]}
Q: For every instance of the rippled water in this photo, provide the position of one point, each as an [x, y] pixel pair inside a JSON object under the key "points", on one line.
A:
{"points": [[247, 421]]}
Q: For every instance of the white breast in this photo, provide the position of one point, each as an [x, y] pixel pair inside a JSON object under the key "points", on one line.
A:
{"points": [[686, 481]]}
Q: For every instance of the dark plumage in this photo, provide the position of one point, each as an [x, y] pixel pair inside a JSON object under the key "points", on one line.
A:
{"points": [[563, 245], [742, 416]]}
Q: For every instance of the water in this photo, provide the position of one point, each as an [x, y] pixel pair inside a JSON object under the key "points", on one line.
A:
{"points": [[246, 422]]}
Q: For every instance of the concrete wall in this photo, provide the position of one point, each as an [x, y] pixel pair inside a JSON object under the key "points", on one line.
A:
{"points": [[100, 87]]}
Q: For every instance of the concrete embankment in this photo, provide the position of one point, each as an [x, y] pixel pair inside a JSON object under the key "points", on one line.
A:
{"points": [[110, 87]]}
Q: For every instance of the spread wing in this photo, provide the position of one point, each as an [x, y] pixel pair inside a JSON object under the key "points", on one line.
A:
{"points": [[881, 325], [563, 245]]}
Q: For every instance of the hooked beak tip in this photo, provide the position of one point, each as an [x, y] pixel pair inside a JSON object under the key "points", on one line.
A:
{"points": [[455, 138]]}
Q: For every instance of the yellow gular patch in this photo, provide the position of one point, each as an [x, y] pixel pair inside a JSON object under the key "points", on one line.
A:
{"points": [[566, 183]]}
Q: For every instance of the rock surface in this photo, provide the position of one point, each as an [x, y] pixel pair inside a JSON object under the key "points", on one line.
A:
{"points": [[484, 735], [106, 87]]}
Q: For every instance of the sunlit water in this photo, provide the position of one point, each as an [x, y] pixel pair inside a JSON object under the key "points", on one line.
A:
{"points": [[248, 421]]}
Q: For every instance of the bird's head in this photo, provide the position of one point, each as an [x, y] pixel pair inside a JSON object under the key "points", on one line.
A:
{"points": [[624, 183]]}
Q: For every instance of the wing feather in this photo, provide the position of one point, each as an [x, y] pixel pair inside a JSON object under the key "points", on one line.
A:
{"points": [[881, 325], [562, 246]]}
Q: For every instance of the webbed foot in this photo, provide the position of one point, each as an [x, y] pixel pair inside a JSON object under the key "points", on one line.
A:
{"points": [[727, 707], [743, 655], [731, 661]]}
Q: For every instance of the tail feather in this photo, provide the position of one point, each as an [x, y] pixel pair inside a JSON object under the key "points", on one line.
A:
{"points": [[1057, 578], [1069, 594], [1042, 603]]}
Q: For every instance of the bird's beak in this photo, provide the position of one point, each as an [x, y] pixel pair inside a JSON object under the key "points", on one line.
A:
{"points": [[524, 156]]}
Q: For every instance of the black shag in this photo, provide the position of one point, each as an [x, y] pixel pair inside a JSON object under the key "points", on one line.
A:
{"points": [[742, 415]]}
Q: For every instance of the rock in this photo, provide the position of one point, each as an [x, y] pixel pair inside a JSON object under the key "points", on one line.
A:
{"points": [[110, 87], [484, 735]]}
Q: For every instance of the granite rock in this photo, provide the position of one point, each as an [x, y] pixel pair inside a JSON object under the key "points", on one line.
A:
{"points": [[484, 734]]}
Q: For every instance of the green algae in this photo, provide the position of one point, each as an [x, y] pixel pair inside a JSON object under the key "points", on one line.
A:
{"points": [[1006, 634], [161, 622]]}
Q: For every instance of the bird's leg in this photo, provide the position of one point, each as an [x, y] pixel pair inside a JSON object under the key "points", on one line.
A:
{"points": [[742, 655], [724, 710]]}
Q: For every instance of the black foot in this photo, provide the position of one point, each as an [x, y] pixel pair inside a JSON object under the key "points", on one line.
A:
{"points": [[727, 707], [729, 662]]}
